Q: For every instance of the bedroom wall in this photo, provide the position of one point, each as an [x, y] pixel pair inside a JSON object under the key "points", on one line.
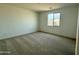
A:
{"points": [[16, 21], [68, 22]]}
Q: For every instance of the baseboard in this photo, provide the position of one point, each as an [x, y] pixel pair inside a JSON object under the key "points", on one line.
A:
{"points": [[39, 31], [17, 36], [58, 35]]}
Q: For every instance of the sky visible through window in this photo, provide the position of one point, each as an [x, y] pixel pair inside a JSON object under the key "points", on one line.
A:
{"points": [[56, 16], [50, 16]]}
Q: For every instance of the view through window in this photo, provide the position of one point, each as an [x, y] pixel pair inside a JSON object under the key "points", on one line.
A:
{"points": [[54, 19]]}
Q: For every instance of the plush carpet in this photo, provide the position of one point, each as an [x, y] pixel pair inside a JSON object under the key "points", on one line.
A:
{"points": [[38, 43]]}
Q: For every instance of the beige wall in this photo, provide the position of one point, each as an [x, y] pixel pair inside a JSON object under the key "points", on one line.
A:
{"points": [[16, 21], [68, 22]]}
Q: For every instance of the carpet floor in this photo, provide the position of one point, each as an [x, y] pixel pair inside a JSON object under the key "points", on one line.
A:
{"points": [[38, 43]]}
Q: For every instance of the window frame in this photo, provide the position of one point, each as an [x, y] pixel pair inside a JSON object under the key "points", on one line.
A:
{"points": [[53, 19]]}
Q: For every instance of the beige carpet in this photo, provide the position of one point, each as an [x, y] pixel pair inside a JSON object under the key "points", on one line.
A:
{"points": [[37, 43]]}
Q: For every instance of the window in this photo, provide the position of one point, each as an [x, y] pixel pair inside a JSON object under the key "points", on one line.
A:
{"points": [[54, 19]]}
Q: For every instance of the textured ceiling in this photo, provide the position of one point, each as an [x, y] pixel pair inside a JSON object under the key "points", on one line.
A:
{"points": [[41, 6]]}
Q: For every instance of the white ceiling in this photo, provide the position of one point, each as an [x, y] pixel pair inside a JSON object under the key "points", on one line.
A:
{"points": [[41, 6]]}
